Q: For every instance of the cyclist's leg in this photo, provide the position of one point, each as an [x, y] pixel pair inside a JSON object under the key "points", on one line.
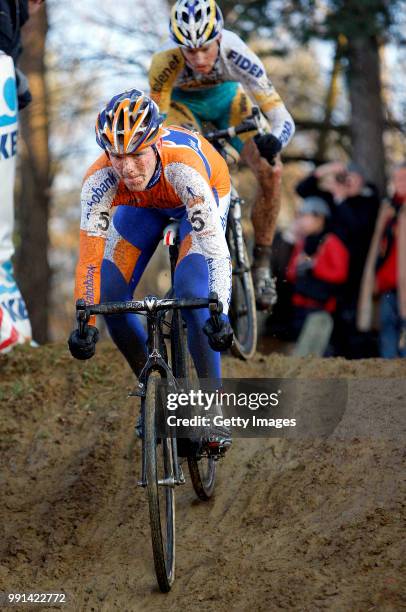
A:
{"points": [[192, 281], [267, 202], [15, 326], [180, 114], [132, 239]]}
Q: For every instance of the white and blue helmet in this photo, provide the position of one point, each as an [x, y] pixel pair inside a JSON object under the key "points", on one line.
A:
{"points": [[195, 23]]}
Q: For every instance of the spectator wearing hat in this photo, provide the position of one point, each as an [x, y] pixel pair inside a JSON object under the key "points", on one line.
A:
{"points": [[319, 263], [385, 273]]}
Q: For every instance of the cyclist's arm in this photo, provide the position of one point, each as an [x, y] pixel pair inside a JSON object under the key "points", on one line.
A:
{"points": [[207, 236], [97, 194], [246, 67], [164, 70]]}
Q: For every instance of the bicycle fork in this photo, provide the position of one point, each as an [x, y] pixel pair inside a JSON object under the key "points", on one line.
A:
{"points": [[156, 361], [176, 478]]}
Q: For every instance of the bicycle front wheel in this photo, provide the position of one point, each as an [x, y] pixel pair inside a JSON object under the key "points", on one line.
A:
{"points": [[243, 313], [160, 489]]}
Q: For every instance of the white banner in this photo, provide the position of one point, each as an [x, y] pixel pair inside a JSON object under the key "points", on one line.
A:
{"points": [[15, 326], [8, 154]]}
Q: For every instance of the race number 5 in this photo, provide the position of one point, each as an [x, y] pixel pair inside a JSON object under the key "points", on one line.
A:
{"points": [[196, 221], [104, 221]]}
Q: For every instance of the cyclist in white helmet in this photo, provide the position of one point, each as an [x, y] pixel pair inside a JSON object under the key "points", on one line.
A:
{"points": [[206, 73]]}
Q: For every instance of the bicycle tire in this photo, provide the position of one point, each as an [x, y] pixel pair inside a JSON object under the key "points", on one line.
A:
{"points": [[162, 532], [243, 312], [203, 469]]}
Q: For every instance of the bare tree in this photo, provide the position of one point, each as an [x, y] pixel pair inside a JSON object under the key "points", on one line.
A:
{"points": [[367, 120]]}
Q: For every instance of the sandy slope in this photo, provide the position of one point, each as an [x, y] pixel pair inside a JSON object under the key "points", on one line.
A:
{"points": [[294, 525]]}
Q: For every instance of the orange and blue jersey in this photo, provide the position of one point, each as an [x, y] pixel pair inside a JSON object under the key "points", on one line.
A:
{"points": [[191, 184]]}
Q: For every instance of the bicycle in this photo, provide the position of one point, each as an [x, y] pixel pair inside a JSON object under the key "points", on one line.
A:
{"points": [[161, 470], [242, 312]]}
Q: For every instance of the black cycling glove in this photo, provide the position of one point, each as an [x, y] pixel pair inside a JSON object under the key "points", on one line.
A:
{"points": [[268, 146], [83, 348], [220, 335]]}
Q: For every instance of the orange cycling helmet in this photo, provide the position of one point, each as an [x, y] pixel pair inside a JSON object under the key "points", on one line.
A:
{"points": [[129, 122]]}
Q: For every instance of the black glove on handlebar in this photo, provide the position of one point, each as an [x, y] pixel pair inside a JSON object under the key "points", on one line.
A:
{"points": [[220, 335], [83, 348], [268, 146]]}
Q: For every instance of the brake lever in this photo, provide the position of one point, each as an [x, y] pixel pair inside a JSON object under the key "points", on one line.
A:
{"points": [[215, 309], [82, 317], [256, 115]]}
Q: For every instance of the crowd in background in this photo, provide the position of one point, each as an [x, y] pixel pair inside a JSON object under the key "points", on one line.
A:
{"points": [[344, 252]]}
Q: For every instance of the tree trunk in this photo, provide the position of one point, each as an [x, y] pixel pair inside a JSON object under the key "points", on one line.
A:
{"points": [[367, 123], [32, 267], [331, 100]]}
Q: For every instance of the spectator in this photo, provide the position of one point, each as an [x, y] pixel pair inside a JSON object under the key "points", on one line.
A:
{"points": [[385, 272], [14, 95], [355, 206], [321, 183], [318, 265]]}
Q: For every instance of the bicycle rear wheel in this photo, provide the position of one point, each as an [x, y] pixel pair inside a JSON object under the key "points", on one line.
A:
{"points": [[243, 313], [160, 489], [202, 469]]}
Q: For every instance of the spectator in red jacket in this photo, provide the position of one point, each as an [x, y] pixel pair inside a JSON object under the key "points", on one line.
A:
{"points": [[354, 205], [385, 272], [319, 262]]}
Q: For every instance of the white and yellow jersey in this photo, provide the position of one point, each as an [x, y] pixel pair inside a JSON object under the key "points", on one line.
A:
{"points": [[235, 62]]}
